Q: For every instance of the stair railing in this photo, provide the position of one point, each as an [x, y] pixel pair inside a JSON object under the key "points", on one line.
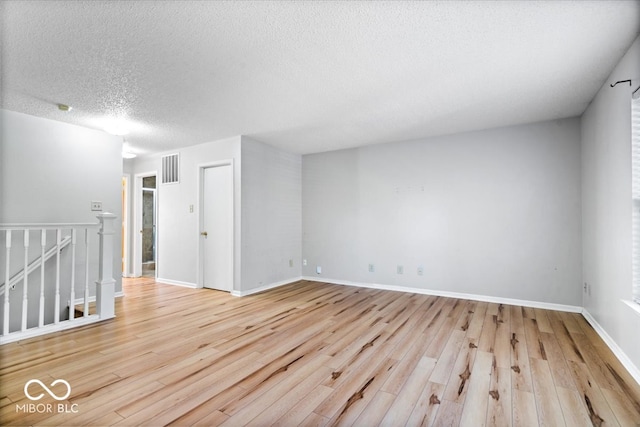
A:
{"points": [[104, 292], [19, 276]]}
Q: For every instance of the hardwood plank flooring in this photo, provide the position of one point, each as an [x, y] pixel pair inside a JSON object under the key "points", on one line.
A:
{"points": [[317, 354]]}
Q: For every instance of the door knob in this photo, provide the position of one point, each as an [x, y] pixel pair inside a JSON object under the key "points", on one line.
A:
{"points": [[204, 233]]}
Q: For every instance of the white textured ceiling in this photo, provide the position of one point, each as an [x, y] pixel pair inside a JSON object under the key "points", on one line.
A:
{"points": [[308, 76]]}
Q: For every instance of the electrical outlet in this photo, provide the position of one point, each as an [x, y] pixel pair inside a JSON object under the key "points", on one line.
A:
{"points": [[304, 262], [372, 268], [400, 269], [420, 271], [190, 208], [318, 269], [96, 206], [290, 263]]}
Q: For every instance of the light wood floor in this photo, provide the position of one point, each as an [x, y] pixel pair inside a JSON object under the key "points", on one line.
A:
{"points": [[321, 354]]}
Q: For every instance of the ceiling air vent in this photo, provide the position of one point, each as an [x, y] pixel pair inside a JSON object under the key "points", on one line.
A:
{"points": [[170, 165]]}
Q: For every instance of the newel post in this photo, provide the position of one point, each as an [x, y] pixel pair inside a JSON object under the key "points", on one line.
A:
{"points": [[105, 285]]}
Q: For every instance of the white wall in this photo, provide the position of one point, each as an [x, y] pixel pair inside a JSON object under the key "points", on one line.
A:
{"points": [[494, 213], [51, 171], [271, 215], [606, 206], [267, 216], [177, 227]]}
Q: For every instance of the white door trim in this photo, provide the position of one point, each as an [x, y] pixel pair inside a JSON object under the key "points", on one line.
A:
{"points": [[200, 221], [126, 209], [137, 236]]}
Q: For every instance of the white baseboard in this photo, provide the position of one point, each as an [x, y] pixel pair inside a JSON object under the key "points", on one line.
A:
{"points": [[473, 297], [79, 301], [617, 351], [176, 283], [633, 370], [265, 287]]}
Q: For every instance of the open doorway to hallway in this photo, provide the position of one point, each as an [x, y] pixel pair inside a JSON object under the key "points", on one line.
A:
{"points": [[149, 226], [145, 241]]}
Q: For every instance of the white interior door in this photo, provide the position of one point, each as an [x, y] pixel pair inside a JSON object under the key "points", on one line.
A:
{"points": [[217, 228]]}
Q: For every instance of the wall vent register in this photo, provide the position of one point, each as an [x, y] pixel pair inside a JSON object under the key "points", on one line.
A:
{"points": [[170, 168]]}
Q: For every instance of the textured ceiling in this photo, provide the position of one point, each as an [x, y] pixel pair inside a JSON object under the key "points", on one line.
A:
{"points": [[308, 76]]}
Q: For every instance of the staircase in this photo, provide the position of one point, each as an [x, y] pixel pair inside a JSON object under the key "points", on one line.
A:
{"points": [[35, 264], [32, 302]]}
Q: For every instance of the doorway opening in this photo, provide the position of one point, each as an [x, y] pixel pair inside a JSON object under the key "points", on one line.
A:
{"points": [[216, 248], [145, 237], [149, 226]]}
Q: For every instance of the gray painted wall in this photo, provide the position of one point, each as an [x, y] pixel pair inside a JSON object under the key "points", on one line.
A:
{"points": [[606, 206], [494, 213], [271, 215], [51, 171]]}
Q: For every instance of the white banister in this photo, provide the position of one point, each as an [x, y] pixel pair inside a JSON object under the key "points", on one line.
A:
{"points": [[86, 273], [46, 226], [34, 265], [105, 285], [57, 284], [5, 324], [25, 300], [56, 311], [72, 297], [43, 246]]}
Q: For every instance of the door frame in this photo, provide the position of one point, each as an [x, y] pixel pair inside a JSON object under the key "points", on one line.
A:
{"points": [[154, 230], [200, 221], [126, 189], [137, 239]]}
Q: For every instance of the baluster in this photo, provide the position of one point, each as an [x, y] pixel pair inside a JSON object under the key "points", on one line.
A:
{"points": [[25, 281], [105, 292], [72, 304], [86, 272], [56, 312], [5, 325], [43, 244]]}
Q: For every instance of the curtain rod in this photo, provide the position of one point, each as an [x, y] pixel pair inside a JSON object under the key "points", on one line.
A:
{"points": [[625, 81], [620, 81]]}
